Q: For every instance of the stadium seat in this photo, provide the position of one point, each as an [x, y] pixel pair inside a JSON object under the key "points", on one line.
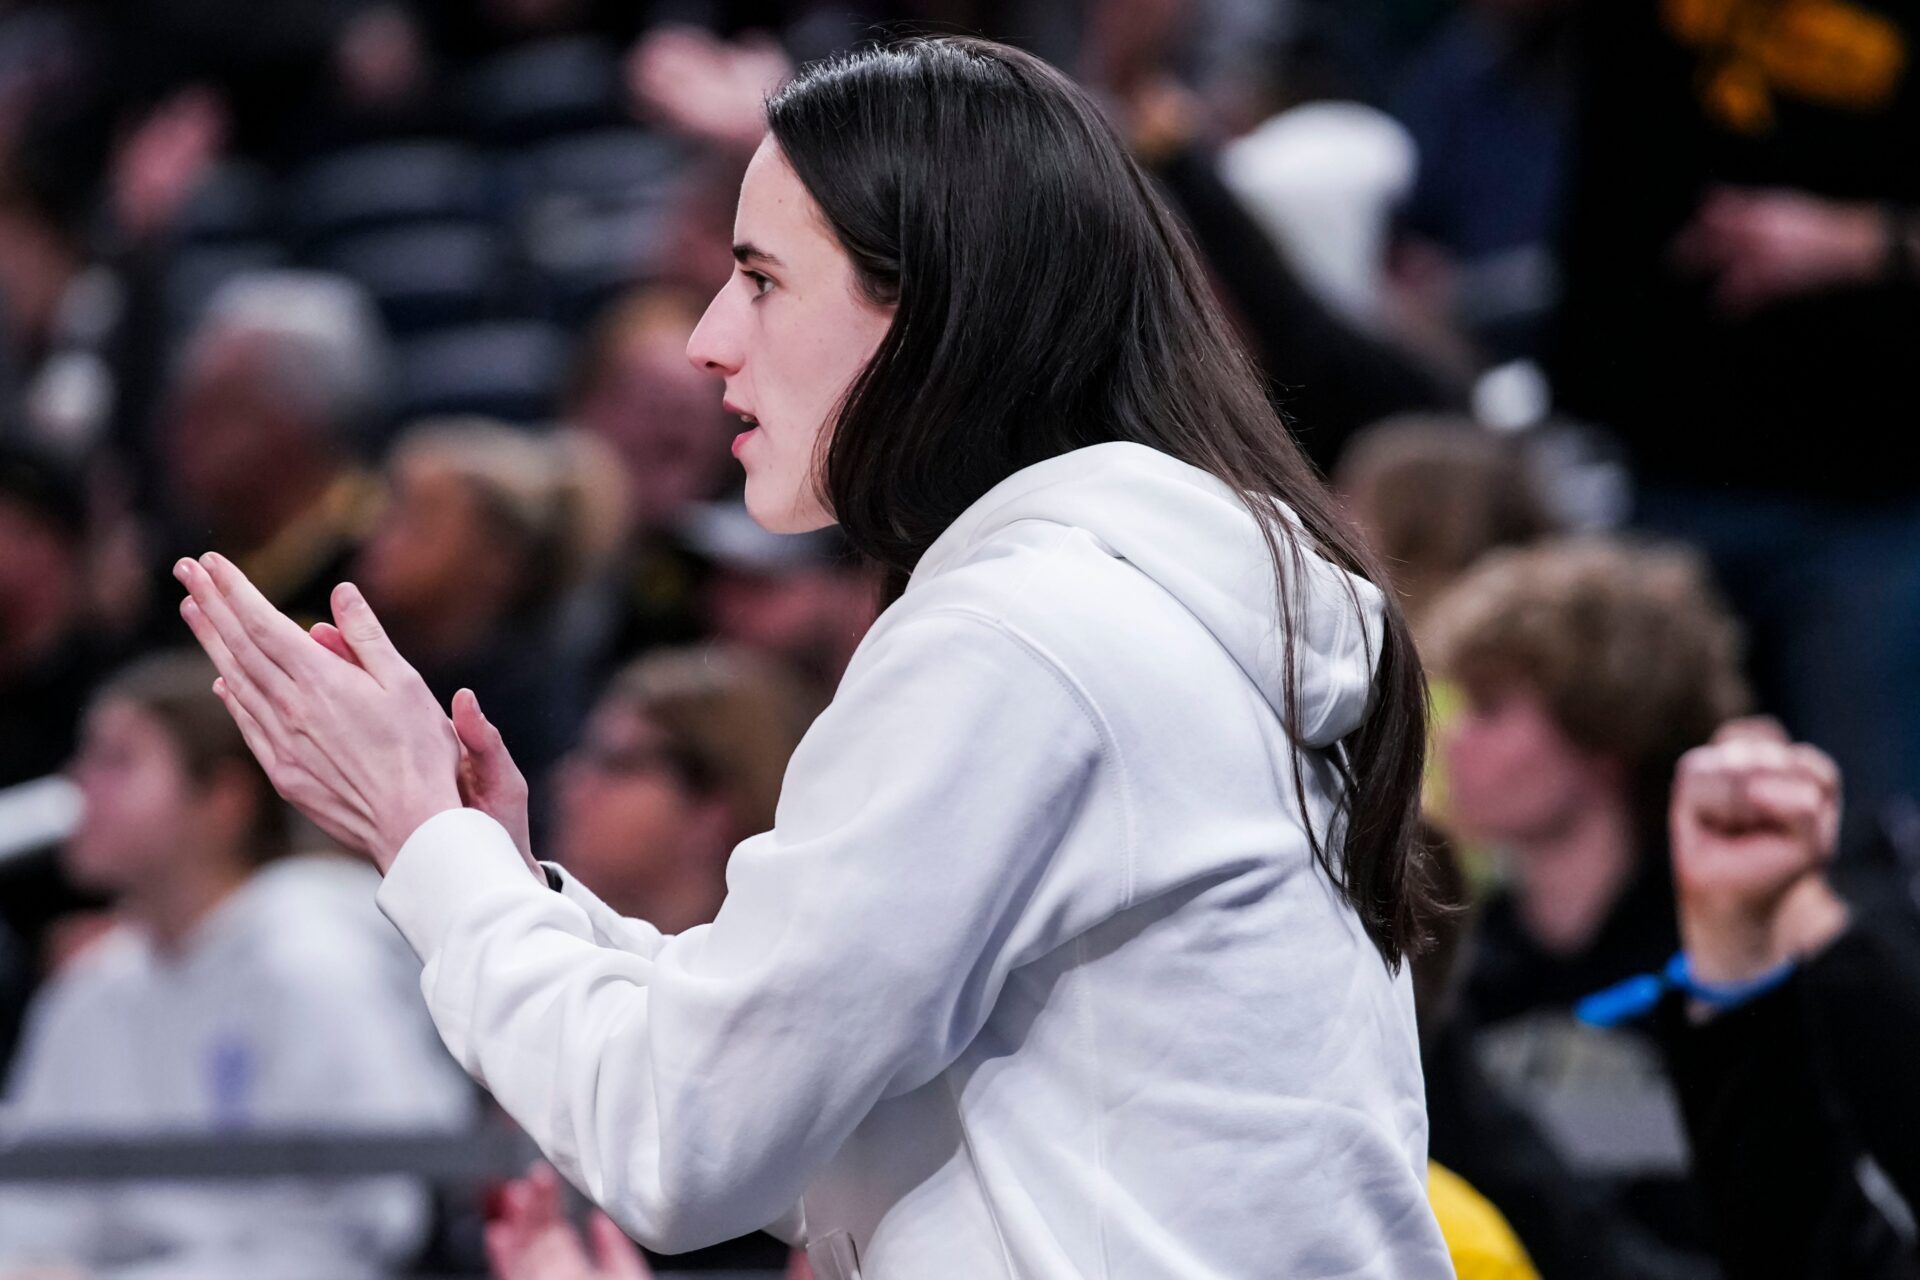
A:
{"points": [[505, 369], [606, 167], [431, 275], [539, 90], [387, 185], [234, 202]]}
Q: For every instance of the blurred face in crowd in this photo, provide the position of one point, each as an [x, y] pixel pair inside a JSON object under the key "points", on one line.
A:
{"points": [[228, 432], [36, 265], [141, 809], [39, 586], [809, 618], [787, 333], [661, 417], [628, 823], [1513, 775], [433, 548]]}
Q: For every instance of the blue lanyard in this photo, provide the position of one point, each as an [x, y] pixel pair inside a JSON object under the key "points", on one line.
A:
{"points": [[1636, 996]]}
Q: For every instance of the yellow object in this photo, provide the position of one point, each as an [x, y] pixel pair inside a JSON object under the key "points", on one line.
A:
{"points": [[1481, 1244]]}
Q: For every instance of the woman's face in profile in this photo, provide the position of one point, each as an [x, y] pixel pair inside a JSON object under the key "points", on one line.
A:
{"points": [[787, 333]]}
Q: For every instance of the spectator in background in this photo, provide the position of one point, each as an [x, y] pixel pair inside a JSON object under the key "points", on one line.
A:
{"points": [[637, 391], [532, 1239], [1433, 494], [42, 254], [1487, 104], [244, 989], [1796, 1054], [1745, 318], [634, 389], [680, 761], [85, 231], [1324, 171], [488, 531], [1570, 1223], [279, 383], [50, 656], [1329, 376], [1588, 669], [802, 599]]}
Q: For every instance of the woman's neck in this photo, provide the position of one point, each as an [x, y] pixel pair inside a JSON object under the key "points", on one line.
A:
{"points": [[1566, 882], [172, 910]]}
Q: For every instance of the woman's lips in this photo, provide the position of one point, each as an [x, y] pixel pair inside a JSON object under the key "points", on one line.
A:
{"points": [[741, 439]]}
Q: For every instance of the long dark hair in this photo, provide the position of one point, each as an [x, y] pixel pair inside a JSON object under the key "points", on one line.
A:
{"points": [[1048, 300]]}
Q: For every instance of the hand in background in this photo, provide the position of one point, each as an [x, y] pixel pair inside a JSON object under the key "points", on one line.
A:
{"points": [[1759, 246], [164, 160], [532, 1239], [705, 87], [1754, 821]]}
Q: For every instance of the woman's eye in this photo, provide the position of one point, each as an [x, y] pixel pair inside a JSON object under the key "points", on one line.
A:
{"points": [[760, 283]]}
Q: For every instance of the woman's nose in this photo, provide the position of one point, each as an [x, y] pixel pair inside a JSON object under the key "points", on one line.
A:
{"points": [[713, 348]]}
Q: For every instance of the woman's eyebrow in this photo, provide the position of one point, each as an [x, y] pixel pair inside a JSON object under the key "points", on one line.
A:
{"points": [[746, 253]]}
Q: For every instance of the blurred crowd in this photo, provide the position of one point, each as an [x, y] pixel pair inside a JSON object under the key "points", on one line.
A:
{"points": [[1593, 311]]}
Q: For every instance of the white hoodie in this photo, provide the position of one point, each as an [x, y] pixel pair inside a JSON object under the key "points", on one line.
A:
{"points": [[1034, 976]]}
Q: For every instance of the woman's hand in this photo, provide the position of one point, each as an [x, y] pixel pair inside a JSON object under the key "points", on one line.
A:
{"points": [[360, 746], [1754, 821], [489, 779], [532, 1239]]}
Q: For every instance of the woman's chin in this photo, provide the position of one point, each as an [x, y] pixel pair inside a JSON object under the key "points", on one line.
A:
{"points": [[783, 514]]}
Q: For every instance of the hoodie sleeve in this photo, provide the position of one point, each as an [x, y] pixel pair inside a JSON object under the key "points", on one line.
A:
{"points": [[610, 928], [694, 1092]]}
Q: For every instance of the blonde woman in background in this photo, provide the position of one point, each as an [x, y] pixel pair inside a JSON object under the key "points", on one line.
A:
{"points": [[490, 530]]}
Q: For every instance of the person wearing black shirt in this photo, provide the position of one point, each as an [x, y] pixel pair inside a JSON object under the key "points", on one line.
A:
{"points": [[1794, 1040], [1579, 672], [1740, 306]]}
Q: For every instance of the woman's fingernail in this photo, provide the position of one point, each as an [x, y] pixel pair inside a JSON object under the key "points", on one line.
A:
{"points": [[180, 568]]}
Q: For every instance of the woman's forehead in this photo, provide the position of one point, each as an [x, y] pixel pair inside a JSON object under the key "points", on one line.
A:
{"points": [[776, 215]]}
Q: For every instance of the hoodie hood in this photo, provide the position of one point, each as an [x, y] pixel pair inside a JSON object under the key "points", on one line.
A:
{"points": [[1190, 533]]}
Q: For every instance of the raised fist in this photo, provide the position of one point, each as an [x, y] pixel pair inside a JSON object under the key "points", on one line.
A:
{"points": [[1754, 821]]}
